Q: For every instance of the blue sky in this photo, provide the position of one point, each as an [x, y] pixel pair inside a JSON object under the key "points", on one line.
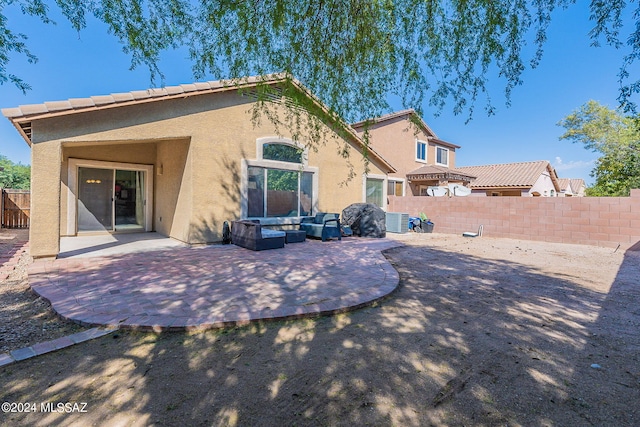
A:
{"points": [[572, 72]]}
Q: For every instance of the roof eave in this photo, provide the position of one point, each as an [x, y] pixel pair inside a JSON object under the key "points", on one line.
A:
{"points": [[18, 119], [441, 142], [501, 187], [391, 116]]}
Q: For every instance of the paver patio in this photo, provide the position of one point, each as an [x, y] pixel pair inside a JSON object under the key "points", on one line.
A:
{"points": [[215, 286]]}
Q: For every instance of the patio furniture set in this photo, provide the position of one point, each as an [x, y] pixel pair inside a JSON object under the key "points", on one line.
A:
{"points": [[250, 234]]}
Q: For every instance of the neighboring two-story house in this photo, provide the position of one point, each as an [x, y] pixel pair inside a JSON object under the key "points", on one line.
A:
{"points": [[420, 158]]}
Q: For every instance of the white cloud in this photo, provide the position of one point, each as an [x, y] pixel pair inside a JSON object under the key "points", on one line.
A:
{"points": [[559, 165]]}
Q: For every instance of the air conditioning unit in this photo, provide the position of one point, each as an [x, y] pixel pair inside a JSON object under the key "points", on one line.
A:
{"points": [[397, 222]]}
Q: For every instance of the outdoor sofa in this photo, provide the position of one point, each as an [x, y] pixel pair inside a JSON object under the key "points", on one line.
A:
{"points": [[250, 234], [323, 226]]}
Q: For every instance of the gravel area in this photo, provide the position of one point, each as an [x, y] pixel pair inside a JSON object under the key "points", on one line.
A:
{"points": [[25, 318]]}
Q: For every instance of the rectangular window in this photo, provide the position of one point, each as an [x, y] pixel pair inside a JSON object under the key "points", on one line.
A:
{"points": [[442, 156], [278, 193], [374, 191], [394, 188], [282, 193], [255, 192], [306, 194], [421, 151]]}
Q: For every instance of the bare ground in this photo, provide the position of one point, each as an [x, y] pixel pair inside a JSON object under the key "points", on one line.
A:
{"points": [[481, 332], [25, 318]]}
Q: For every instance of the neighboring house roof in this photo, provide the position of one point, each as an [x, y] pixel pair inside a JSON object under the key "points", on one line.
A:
{"points": [[400, 114], [564, 184], [509, 175], [22, 116], [577, 184], [430, 172]]}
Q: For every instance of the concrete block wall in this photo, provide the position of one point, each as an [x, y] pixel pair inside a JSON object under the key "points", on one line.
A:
{"points": [[600, 221]]}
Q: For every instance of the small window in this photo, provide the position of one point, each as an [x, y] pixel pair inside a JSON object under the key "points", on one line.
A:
{"points": [[394, 188], [374, 191], [282, 152], [442, 156], [421, 151]]}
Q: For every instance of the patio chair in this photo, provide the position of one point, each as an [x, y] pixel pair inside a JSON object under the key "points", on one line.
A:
{"points": [[324, 226], [249, 234]]}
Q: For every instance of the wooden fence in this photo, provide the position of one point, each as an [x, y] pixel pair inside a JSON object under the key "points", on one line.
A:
{"points": [[15, 208]]}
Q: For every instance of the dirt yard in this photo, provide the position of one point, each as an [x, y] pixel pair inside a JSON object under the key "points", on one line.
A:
{"points": [[481, 332], [25, 318]]}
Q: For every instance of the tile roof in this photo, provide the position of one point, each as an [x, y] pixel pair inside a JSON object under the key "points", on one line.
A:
{"points": [[577, 184], [516, 175], [22, 116], [391, 116], [564, 183], [95, 102], [405, 113], [439, 170]]}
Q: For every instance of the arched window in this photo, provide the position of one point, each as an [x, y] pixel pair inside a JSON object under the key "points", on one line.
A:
{"points": [[282, 152]]}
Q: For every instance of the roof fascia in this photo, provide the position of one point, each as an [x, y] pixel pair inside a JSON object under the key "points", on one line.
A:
{"points": [[391, 116], [224, 86]]}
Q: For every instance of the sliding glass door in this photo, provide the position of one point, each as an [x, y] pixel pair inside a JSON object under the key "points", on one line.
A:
{"points": [[111, 199], [95, 192], [129, 200]]}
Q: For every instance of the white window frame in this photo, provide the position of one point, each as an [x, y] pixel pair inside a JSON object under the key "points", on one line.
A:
{"points": [[426, 151], [383, 178], [275, 164], [394, 180], [260, 142], [72, 189], [439, 147]]}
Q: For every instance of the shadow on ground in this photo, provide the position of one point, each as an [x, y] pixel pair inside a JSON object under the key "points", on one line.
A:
{"points": [[464, 341], [219, 285]]}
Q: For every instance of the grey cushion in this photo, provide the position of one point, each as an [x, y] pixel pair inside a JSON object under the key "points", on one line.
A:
{"points": [[268, 234]]}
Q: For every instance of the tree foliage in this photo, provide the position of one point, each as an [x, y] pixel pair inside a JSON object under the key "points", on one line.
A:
{"points": [[351, 53], [16, 176], [616, 137]]}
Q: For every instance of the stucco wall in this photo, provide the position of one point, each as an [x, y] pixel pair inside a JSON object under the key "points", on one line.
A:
{"points": [[199, 142], [395, 140], [45, 199], [173, 205], [602, 221], [543, 186]]}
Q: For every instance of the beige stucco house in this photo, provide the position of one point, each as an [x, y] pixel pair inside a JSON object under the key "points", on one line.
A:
{"points": [[522, 179], [182, 160], [421, 159]]}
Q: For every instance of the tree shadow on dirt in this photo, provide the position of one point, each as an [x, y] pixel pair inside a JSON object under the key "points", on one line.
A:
{"points": [[608, 370], [463, 341]]}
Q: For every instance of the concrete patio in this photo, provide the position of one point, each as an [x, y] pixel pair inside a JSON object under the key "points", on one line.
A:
{"points": [[148, 282]]}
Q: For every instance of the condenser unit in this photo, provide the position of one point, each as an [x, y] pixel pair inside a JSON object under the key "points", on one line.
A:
{"points": [[397, 222]]}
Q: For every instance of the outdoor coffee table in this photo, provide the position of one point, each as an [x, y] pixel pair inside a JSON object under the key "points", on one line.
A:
{"points": [[295, 236]]}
